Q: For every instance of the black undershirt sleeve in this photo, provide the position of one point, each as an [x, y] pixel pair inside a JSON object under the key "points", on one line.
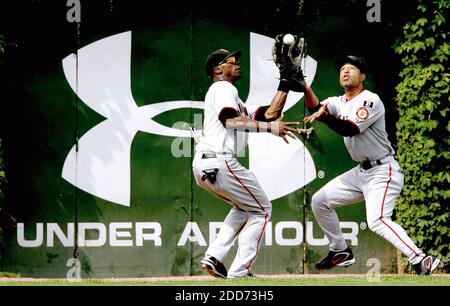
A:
{"points": [[315, 109], [227, 113], [260, 114], [342, 127]]}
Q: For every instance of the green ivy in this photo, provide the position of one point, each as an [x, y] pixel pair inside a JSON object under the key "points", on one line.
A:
{"points": [[423, 129], [2, 172]]}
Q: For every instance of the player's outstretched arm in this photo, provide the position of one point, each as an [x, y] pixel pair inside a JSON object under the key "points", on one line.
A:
{"points": [[321, 112], [277, 128], [275, 109], [311, 100], [342, 127]]}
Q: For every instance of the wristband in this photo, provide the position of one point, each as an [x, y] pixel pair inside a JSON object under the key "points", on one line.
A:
{"points": [[284, 86]]}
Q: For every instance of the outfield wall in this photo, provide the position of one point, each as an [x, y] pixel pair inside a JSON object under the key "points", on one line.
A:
{"points": [[99, 157]]}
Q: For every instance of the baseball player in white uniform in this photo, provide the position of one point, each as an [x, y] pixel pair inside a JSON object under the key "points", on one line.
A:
{"points": [[216, 169], [358, 115]]}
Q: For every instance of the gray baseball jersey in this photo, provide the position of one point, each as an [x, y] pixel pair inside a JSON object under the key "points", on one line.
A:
{"points": [[366, 111], [378, 186]]}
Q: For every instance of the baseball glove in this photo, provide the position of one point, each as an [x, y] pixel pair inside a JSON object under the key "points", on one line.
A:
{"points": [[288, 59]]}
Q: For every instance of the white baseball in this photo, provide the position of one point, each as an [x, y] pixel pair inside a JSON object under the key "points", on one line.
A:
{"points": [[288, 39]]}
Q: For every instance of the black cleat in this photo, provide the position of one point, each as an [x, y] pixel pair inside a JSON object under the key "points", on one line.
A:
{"points": [[427, 265], [343, 258], [214, 267]]}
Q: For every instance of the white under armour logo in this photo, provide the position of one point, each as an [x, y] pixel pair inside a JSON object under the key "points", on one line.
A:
{"points": [[101, 166]]}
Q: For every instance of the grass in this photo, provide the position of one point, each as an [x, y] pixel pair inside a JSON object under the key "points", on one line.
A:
{"points": [[9, 275], [385, 280], [337, 281]]}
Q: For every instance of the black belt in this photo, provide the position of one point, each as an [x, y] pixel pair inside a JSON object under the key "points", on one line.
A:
{"points": [[209, 155], [368, 164], [214, 155]]}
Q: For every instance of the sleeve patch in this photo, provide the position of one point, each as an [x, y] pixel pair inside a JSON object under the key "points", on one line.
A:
{"points": [[362, 114], [368, 103]]}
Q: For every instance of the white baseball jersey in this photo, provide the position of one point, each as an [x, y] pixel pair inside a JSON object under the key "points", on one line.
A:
{"points": [[234, 183], [366, 111], [216, 138]]}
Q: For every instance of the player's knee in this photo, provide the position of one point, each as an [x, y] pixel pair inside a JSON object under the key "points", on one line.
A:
{"points": [[268, 210], [374, 225], [317, 201]]}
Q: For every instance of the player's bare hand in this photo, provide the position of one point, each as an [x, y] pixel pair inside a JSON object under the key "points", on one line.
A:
{"points": [[283, 129], [322, 112]]}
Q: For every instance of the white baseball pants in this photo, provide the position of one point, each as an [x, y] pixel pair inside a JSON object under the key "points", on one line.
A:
{"points": [[378, 187], [248, 218]]}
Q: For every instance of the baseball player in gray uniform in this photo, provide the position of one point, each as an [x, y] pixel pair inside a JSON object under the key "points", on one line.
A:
{"points": [[358, 115], [226, 124]]}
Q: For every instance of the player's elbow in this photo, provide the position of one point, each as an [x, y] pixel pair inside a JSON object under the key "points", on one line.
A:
{"points": [[348, 129], [264, 113], [268, 117], [350, 132], [351, 129]]}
